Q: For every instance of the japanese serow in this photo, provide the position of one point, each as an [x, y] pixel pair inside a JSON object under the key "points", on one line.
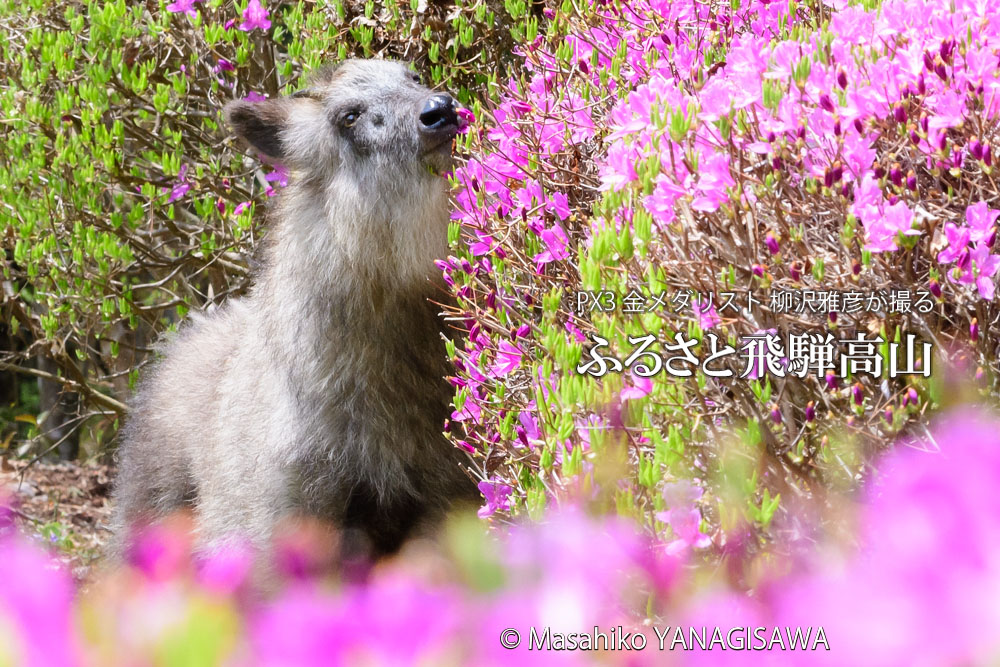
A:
{"points": [[321, 393]]}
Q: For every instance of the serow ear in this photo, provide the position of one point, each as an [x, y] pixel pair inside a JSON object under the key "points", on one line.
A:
{"points": [[260, 124]]}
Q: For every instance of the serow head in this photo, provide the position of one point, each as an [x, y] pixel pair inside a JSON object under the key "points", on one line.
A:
{"points": [[372, 119]]}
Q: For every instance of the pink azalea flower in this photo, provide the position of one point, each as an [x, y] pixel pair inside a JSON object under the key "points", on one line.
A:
{"points": [[183, 6], [859, 154], [497, 497], [981, 269], [716, 99], [530, 196], [471, 411], [254, 96], [899, 218], [867, 199], [279, 175], [482, 245], [508, 358], [640, 388], [555, 242], [958, 239], [575, 331], [530, 425], [981, 220], [707, 317], [181, 187], [986, 287], [255, 16], [660, 203], [178, 191], [558, 204], [619, 168], [465, 119], [882, 232], [949, 110], [713, 180]]}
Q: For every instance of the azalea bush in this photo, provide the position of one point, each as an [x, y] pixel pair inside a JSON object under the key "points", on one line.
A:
{"points": [[830, 164], [125, 202], [914, 584]]}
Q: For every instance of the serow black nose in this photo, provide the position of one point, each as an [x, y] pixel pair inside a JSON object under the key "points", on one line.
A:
{"points": [[438, 113]]}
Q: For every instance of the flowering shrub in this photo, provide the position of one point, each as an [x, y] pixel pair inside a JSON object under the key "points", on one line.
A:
{"points": [[919, 589], [656, 150]]}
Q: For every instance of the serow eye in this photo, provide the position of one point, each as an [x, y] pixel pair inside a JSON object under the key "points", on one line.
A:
{"points": [[350, 119]]}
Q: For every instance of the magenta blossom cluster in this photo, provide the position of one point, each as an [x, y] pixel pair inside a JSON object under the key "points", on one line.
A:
{"points": [[820, 114], [255, 15], [848, 145], [514, 192], [925, 566]]}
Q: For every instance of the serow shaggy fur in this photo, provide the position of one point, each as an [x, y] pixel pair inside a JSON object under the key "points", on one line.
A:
{"points": [[322, 392]]}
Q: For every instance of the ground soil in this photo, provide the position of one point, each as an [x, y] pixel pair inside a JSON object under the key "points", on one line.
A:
{"points": [[65, 504]]}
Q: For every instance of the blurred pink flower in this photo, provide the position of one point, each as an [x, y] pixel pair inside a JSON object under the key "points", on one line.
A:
{"points": [[279, 175], [160, 552], [929, 563], [575, 331], [683, 516], [707, 317], [181, 187], [226, 570], [183, 6], [36, 595]]}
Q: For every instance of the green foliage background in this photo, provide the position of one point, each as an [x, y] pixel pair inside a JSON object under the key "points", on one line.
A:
{"points": [[102, 106]]}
